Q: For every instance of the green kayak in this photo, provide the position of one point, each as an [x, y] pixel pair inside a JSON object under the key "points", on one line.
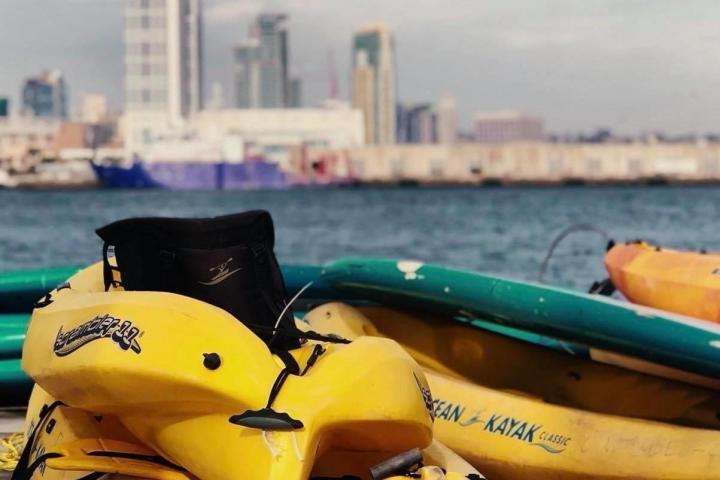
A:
{"points": [[15, 386], [657, 337], [19, 290]]}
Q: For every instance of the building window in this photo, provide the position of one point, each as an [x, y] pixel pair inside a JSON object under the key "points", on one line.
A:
{"points": [[437, 167], [593, 166], [634, 167], [397, 168], [555, 165], [146, 136]]}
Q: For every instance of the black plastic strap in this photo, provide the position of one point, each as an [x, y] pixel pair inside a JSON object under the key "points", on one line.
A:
{"points": [[28, 472], [279, 382], [317, 351], [308, 335], [290, 363], [24, 469], [605, 287]]}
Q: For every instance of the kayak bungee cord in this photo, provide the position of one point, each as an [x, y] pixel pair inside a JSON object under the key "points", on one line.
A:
{"points": [[13, 445], [577, 227]]}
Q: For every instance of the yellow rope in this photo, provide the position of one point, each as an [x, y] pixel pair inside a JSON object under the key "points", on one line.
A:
{"points": [[10, 453]]}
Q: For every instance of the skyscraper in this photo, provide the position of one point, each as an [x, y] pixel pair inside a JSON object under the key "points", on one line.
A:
{"points": [[447, 120], [163, 56], [373, 82], [262, 65], [416, 123], [45, 95], [294, 99], [247, 74]]}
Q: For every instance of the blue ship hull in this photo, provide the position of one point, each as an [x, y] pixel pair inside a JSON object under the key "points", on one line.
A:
{"points": [[251, 175]]}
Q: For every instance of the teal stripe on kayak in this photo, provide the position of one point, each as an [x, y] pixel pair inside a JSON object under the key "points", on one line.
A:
{"points": [[529, 337], [11, 374], [20, 289], [12, 334], [598, 322]]}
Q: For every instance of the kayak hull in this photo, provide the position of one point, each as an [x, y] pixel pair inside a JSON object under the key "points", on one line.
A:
{"points": [[509, 433], [687, 283], [650, 335]]}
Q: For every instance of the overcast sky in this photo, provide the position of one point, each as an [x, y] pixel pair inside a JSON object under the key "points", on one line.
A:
{"points": [[629, 64]]}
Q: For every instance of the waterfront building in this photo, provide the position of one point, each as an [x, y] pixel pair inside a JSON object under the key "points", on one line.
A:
{"points": [[446, 120], [26, 140], [373, 82], [535, 163], [262, 65], [416, 123], [45, 95], [500, 127], [163, 57]]}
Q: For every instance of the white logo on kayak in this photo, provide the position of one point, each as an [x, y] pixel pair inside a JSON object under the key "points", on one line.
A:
{"points": [[223, 272], [410, 268]]}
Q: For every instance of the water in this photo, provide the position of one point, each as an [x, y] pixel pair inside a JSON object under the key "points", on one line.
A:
{"points": [[504, 231]]}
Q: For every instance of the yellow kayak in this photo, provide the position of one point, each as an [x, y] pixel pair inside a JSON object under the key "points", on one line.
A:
{"points": [[160, 385], [512, 431], [682, 282]]}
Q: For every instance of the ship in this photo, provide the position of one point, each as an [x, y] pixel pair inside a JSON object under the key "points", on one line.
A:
{"points": [[186, 162]]}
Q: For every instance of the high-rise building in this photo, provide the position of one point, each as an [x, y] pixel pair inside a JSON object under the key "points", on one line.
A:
{"points": [[262, 65], [447, 120], [373, 82], [45, 95], [416, 123], [295, 93], [163, 56], [94, 108], [504, 127], [247, 74], [4, 107]]}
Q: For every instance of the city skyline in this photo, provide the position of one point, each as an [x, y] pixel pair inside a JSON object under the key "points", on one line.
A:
{"points": [[555, 59]]}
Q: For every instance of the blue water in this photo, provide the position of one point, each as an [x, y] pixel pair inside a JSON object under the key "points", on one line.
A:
{"points": [[496, 230]]}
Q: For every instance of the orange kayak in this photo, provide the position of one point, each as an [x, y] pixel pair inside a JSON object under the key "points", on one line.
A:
{"points": [[682, 282]]}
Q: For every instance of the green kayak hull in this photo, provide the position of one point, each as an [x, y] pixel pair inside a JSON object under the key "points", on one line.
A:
{"points": [[19, 290], [15, 386], [595, 321]]}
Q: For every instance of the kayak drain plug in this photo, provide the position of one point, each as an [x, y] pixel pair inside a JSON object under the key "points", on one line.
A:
{"points": [[211, 361]]}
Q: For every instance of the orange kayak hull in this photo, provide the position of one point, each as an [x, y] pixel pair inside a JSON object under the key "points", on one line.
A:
{"points": [[682, 282]]}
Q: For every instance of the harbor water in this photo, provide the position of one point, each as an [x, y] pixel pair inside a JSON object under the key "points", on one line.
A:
{"points": [[504, 231]]}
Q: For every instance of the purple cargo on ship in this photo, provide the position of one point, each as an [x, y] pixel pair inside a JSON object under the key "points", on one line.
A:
{"points": [[183, 162], [250, 175]]}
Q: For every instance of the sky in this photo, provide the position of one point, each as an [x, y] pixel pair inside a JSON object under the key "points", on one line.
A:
{"points": [[631, 65]]}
